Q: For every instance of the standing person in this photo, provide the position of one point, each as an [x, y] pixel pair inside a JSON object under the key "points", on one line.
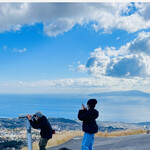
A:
{"points": [[39, 121], [88, 116]]}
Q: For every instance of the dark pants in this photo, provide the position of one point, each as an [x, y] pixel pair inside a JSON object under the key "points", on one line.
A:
{"points": [[42, 143]]}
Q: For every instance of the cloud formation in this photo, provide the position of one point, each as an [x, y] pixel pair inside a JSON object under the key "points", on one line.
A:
{"points": [[141, 44], [78, 85], [58, 18], [131, 60]]}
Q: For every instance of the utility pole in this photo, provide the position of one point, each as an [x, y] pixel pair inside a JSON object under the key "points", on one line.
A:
{"points": [[28, 128]]}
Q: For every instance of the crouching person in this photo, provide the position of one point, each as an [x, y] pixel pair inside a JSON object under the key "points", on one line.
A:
{"points": [[39, 121], [88, 116]]}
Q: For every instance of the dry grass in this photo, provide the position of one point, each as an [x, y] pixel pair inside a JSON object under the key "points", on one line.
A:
{"points": [[58, 138], [120, 133], [62, 137]]}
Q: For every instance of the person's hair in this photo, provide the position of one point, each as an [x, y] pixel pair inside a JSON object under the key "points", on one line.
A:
{"points": [[92, 103], [64, 148]]}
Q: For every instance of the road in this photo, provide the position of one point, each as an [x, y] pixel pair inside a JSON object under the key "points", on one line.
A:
{"points": [[132, 142]]}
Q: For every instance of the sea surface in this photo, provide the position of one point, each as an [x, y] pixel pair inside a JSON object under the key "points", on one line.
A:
{"points": [[66, 106], [111, 108]]}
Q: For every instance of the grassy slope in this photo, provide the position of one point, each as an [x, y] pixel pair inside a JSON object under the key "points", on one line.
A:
{"points": [[62, 137]]}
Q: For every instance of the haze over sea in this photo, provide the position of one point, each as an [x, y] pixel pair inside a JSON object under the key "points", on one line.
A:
{"points": [[65, 106], [131, 108]]}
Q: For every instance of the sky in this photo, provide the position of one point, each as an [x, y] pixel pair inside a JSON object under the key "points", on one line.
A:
{"points": [[75, 48]]}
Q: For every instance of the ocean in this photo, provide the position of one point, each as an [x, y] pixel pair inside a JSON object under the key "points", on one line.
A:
{"points": [[66, 106], [111, 108]]}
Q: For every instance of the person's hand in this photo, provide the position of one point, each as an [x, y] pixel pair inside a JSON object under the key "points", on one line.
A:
{"points": [[29, 116], [83, 107]]}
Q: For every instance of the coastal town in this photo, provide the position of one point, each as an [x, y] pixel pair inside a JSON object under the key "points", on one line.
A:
{"points": [[13, 131]]}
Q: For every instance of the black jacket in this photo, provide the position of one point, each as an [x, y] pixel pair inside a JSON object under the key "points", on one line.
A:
{"points": [[44, 125], [88, 117]]}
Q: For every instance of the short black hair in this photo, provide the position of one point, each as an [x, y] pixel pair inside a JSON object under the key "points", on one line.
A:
{"points": [[64, 148], [92, 103]]}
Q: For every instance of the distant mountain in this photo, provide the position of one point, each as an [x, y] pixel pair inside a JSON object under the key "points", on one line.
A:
{"points": [[122, 93], [143, 123], [62, 120]]}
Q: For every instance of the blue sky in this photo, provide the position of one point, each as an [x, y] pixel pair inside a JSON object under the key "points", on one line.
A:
{"points": [[74, 48]]}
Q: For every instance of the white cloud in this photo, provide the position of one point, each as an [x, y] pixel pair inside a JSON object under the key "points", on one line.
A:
{"points": [[117, 38], [141, 43], [146, 11], [58, 26], [98, 61], [130, 60], [78, 85], [5, 47], [58, 18], [81, 68], [19, 50], [128, 66]]}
